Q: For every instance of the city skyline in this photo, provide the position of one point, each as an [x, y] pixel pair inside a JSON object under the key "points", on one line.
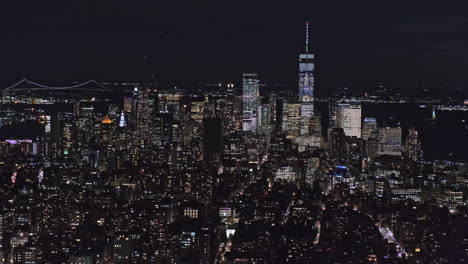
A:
{"points": [[205, 133]]}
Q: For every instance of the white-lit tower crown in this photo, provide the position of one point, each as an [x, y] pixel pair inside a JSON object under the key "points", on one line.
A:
{"points": [[306, 79]]}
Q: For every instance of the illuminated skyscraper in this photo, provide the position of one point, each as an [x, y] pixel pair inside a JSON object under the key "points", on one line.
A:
{"points": [[338, 144], [122, 133], [250, 98], [291, 119], [265, 114], [348, 117], [315, 125], [369, 126], [412, 148], [196, 111], [390, 141], [67, 134], [122, 122], [306, 79], [106, 130], [145, 109], [130, 107]]}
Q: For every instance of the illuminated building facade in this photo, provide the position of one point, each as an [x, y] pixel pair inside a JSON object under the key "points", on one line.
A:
{"points": [[250, 98], [369, 126], [348, 117], [390, 141], [412, 148], [292, 121], [306, 79]]}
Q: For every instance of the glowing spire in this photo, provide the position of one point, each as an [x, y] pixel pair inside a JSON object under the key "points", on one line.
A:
{"points": [[434, 117], [307, 37], [107, 120], [122, 122]]}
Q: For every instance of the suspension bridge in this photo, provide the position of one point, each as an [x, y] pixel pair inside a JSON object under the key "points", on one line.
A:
{"points": [[26, 85]]}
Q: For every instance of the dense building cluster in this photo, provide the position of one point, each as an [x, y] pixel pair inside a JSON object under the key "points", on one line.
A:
{"points": [[223, 173]]}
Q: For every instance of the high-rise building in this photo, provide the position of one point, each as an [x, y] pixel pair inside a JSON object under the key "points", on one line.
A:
{"points": [[122, 134], [235, 149], [306, 79], [145, 110], [169, 103], [6, 217], [265, 119], [292, 120], [338, 144], [348, 117], [196, 111], [315, 125], [130, 105], [413, 145], [250, 98], [122, 122], [369, 125], [281, 150], [67, 137], [127, 105], [372, 145], [106, 130], [390, 141]]}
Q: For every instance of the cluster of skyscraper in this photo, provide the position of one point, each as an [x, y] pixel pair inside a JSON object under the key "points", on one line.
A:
{"points": [[298, 111], [208, 173]]}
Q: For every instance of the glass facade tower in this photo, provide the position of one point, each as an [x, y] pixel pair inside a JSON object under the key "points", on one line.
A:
{"points": [[250, 99], [306, 79]]}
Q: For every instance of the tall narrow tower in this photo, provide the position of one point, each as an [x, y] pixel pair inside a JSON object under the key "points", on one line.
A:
{"points": [[306, 79], [250, 99]]}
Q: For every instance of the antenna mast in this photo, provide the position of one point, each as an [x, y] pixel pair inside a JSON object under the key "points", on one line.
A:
{"points": [[307, 37]]}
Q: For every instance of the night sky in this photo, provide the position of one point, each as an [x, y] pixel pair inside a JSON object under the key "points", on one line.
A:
{"points": [[356, 42]]}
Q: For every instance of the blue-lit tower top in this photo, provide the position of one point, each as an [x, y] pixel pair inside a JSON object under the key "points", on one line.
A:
{"points": [[306, 71], [122, 122]]}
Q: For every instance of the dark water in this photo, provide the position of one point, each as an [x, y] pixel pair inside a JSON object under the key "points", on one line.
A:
{"points": [[445, 139], [26, 130]]}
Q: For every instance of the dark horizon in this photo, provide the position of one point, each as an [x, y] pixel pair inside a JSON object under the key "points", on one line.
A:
{"points": [[354, 45]]}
